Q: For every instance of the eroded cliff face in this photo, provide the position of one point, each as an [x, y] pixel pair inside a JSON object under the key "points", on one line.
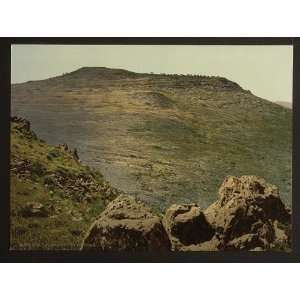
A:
{"points": [[165, 139]]}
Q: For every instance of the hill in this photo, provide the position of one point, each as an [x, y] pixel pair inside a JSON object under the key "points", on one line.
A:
{"points": [[163, 138]]}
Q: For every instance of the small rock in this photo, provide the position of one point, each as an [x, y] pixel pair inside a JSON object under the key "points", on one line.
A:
{"points": [[76, 232], [34, 209]]}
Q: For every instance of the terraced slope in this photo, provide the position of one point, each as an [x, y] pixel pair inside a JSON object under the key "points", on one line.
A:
{"points": [[163, 138]]}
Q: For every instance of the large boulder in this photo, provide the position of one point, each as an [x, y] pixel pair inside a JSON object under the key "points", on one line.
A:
{"points": [[127, 225], [247, 214], [186, 225]]}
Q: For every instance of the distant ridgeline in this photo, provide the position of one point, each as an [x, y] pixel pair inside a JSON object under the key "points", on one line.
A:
{"points": [[163, 138]]}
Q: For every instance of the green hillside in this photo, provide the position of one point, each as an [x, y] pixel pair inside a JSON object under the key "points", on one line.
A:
{"points": [[54, 198], [164, 138]]}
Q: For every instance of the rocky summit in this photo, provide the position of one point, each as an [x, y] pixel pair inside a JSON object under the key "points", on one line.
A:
{"points": [[163, 138]]}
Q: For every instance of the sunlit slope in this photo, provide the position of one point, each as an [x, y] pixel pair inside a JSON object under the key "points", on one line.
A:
{"points": [[164, 138]]}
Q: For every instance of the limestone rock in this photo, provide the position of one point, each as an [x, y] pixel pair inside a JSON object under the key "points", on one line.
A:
{"points": [[127, 225], [215, 244], [255, 191], [245, 213], [186, 225], [246, 242], [249, 215]]}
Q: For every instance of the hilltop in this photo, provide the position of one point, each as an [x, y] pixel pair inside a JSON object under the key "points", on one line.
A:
{"points": [[163, 138]]}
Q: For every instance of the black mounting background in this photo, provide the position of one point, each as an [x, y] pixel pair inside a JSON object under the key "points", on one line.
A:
{"points": [[76, 256]]}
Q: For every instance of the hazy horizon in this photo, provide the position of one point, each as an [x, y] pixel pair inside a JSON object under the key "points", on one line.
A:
{"points": [[267, 71]]}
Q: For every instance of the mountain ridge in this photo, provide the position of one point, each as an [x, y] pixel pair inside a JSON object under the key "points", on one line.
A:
{"points": [[117, 73]]}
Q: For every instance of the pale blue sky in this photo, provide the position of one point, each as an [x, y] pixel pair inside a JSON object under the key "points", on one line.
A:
{"points": [[265, 70]]}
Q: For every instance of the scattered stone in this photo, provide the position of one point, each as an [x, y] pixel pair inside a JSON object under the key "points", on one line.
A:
{"points": [[34, 209], [77, 218], [76, 232]]}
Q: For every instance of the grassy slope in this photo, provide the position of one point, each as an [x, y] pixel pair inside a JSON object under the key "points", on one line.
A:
{"points": [[72, 193], [214, 141], [165, 138]]}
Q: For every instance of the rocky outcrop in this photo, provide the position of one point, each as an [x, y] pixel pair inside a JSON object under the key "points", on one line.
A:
{"points": [[186, 224], [249, 215], [127, 225], [22, 125]]}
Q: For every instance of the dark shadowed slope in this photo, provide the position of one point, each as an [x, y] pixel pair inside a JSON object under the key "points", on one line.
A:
{"points": [[164, 138]]}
